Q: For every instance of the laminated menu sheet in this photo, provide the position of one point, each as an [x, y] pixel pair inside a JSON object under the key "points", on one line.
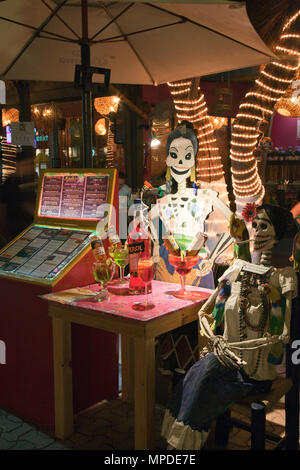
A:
{"points": [[42, 252], [73, 196]]}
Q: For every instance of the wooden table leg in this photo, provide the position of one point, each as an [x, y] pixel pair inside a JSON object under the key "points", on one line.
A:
{"points": [[63, 393], [127, 347], [144, 393]]}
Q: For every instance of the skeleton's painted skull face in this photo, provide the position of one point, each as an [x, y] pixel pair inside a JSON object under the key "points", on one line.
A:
{"points": [[181, 158], [264, 232]]}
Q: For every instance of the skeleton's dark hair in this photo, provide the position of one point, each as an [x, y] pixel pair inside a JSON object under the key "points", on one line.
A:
{"points": [[184, 129], [281, 219]]}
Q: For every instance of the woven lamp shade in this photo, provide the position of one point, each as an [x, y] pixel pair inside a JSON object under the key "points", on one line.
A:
{"points": [[10, 115], [289, 104], [100, 127], [217, 122], [106, 104]]}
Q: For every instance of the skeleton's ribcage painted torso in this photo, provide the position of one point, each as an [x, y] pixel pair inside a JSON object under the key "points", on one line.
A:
{"points": [[185, 215]]}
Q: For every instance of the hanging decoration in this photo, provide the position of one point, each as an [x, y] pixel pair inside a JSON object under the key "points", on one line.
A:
{"points": [[9, 116], [257, 108], [110, 152], [100, 127], [289, 104], [222, 100], [106, 104], [42, 112], [217, 122]]}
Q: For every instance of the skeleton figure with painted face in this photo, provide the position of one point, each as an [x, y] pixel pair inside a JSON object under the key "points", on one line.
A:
{"points": [[264, 236], [253, 303], [185, 207]]}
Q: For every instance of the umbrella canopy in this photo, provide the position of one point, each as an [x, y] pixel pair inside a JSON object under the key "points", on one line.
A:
{"points": [[142, 43]]}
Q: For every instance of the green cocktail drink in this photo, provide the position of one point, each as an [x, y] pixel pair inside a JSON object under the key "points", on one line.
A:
{"points": [[183, 241], [121, 258]]}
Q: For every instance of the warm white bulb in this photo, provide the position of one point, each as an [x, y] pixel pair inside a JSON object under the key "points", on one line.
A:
{"points": [[155, 143]]}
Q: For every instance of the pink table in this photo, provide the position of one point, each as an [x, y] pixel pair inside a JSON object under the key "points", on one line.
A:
{"points": [[138, 330]]}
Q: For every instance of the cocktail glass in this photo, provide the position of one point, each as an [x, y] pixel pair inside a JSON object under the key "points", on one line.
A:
{"points": [[183, 241], [121, 258], [183, 265], [146, 272], [103, 273]]}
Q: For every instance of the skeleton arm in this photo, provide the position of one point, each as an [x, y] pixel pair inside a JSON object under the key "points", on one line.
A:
{"points": [[219, 204], [152, 215], [208, 306], [285, 336]]}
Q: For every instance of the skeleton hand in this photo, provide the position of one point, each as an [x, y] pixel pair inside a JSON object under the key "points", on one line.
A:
{"points": [[221, 347], [209, 319], [204, 268], [274, 339], [225, 355], [155, 256], [284, 338]]}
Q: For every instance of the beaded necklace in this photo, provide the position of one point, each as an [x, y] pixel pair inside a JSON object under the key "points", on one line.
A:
{"points": [[249, 280]]}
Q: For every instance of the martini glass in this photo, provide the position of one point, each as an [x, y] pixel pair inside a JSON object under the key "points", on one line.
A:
{"points": [[121, 258], [183, 265], [183, 241], [103, 273], [146, 272]]}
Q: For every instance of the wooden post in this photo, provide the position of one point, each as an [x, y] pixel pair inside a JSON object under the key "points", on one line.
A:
{"points": [[23, 88], [258, 426], [133, 144], [127, 345], [144, 394]]}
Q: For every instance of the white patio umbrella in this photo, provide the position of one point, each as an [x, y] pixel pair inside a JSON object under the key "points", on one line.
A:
{"points": [[141, 43]]}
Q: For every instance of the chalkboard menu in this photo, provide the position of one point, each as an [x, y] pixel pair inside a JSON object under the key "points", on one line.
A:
{"points": [[73, 196]]}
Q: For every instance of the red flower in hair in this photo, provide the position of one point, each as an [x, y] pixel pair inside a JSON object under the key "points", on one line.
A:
{"points": [[249, 212]]}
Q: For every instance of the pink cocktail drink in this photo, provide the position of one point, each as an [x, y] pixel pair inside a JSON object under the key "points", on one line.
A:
{"points": [[146, 270], [183, 265]]}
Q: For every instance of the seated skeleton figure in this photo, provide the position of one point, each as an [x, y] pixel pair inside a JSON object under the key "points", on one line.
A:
{"points": [[253, 303]]}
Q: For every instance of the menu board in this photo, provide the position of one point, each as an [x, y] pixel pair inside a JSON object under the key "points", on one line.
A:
{"points": [[42, 252], [73, 196]]}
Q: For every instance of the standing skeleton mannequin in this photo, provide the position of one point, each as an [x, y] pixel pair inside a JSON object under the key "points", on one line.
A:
{"points": [[254, 303], [184, 209]]}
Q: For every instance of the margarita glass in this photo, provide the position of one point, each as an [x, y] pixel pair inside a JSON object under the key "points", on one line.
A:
{"points": [[183, 265], [121, 258], [103, 273]]}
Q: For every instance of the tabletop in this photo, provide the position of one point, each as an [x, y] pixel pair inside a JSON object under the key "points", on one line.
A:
{"points": [[122, 303]]}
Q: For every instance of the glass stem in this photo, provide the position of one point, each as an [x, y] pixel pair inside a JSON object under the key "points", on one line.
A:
{"points": [[182, 281], [146, 293], [122, 268]]}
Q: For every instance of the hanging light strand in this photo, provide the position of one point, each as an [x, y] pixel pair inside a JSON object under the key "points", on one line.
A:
{"points": [[257, 107]]}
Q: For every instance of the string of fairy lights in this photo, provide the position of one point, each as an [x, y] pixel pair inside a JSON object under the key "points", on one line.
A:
{"points": [[257, 108]]}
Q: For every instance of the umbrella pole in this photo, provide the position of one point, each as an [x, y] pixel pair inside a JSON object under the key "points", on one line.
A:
{"points": [[86, 94]]}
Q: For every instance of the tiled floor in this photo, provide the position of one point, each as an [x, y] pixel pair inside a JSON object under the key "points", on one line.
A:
{"points": [[109, 426]]}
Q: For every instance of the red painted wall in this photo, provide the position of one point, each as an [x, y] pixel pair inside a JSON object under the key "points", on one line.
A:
{"points": [[284, 132]]}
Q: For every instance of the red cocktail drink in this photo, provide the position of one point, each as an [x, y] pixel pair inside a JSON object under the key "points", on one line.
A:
{"points": [[146, 270], [183, 265]]}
